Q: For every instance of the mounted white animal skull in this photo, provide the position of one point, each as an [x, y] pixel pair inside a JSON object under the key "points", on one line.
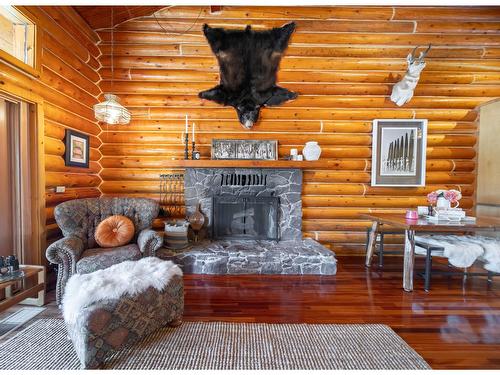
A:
{"points": [[402, 91]]}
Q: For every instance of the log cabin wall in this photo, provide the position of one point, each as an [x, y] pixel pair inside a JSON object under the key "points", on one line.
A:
{"points": [[343, 62], [68, 84]]}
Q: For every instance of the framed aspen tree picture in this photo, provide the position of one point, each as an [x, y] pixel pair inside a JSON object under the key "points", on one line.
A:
{"points": [[244, 149], [399, 152]]}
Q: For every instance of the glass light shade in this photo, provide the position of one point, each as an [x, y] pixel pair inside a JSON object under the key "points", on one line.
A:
{"points": [[111, 111]]}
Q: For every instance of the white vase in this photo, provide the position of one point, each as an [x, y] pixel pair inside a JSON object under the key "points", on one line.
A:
{"points": [[311, 151], [443, 203]]}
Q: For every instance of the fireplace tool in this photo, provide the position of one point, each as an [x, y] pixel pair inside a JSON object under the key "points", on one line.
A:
{"points": [[171, 194]]}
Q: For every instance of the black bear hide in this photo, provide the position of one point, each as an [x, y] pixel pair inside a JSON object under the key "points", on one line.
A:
{"points": [[248, 62]]}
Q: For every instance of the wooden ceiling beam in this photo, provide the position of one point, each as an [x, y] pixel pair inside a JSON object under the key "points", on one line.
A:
{"points": [[99, 17]]}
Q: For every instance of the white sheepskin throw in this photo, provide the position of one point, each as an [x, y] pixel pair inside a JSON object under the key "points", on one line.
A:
{"points": [[491, 256], [130, 277], [463, 251], [457, 249]]}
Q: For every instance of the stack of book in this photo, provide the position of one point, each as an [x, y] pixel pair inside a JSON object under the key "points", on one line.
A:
{"points": [[451, 214]]}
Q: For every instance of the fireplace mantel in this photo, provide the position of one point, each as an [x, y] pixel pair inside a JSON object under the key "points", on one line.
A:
{"points": [[268, 164]]}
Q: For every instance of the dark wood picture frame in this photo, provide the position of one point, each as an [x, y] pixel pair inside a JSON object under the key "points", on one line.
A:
{"points": [[71, 159]]}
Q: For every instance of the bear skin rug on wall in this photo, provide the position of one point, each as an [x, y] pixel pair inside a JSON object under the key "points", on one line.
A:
{"points": [[248, 62]]}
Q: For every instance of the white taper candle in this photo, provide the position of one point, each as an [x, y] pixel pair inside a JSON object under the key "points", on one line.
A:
{"points": [[186, 123]]}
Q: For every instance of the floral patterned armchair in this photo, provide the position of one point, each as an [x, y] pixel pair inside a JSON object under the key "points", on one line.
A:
{"points": [[78, 252]]}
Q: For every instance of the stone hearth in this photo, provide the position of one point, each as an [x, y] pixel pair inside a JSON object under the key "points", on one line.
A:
{"points": [[296, 257], [290, 255]]}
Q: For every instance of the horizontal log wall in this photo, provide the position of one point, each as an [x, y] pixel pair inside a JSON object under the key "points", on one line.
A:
{"points": [[68, 83], [343, 62]]}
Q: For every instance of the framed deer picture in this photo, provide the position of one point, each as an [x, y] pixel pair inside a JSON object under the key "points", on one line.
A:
{"points": [[399, 152]]}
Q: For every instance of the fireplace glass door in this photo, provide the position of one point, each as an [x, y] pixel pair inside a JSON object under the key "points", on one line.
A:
{"points": [[248, 218]]}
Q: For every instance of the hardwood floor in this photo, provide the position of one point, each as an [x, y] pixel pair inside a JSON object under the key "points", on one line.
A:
{"points": [[451, 327]]}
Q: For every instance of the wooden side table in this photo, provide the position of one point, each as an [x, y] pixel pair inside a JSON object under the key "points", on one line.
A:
{"points": [[34, 295]]}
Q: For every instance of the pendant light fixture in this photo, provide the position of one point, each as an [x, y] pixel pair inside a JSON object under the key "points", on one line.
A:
{"points": [[110, 110]]}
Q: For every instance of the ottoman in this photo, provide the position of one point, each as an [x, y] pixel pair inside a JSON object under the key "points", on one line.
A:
{"points": [[112, 308]]}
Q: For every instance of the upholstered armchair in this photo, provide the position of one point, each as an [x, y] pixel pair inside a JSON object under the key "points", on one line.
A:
{"points": [[78, 251]]}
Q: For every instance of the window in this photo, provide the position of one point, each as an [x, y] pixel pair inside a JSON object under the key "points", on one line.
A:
{"points": [[17, 35]]}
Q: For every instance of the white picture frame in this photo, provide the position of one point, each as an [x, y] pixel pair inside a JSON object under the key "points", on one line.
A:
{"points": [[399, 152]]}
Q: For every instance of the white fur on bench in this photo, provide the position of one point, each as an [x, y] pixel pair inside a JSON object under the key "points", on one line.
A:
{"points": [[491, 255], [463, 251], [130, 277]]}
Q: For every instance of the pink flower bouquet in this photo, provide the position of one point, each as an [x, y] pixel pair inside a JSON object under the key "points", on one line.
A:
{"points": [[432, 197], [453, 196]]}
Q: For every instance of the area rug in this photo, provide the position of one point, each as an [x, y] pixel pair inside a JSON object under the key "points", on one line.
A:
{"points": [[217, 345], [18, 318]]}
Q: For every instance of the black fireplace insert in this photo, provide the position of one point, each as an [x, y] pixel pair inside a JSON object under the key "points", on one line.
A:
{"points": [[245, 217]]}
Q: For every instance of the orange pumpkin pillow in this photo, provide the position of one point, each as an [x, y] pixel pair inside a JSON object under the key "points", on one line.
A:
{"points": [[114, 231]]}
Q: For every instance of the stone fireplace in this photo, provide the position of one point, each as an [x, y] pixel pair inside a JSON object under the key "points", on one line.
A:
{"points": [[253, 224], [283, 187]]}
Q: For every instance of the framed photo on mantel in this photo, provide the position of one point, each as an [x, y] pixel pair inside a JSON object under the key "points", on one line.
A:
{"points": [[399, 152], [244, 149]]}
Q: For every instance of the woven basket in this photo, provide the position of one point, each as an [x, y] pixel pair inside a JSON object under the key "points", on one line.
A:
{"points": [[176, 234]]}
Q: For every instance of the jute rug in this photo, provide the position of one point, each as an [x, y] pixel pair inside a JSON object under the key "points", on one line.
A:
{"points": [[44, 345]]}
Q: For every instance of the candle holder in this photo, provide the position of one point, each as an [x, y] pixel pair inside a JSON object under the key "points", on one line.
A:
{"points": [[186, 147], [195, 155]]}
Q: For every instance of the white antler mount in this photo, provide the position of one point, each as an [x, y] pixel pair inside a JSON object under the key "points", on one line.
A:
{"points": [[402, 91]]}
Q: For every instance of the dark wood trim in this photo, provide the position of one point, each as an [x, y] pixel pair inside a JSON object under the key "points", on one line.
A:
{"points": [[205, 163], [36, 175]]}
